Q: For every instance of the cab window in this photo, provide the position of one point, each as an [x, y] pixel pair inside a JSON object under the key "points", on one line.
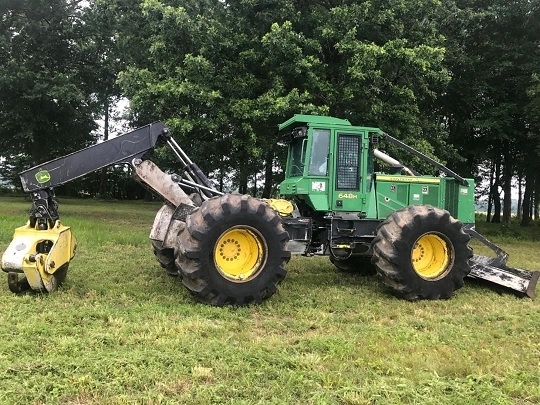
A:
{"points": [[297, 153], [320, 148]]}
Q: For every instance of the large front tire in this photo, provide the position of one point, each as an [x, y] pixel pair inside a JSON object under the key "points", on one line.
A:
{"points": [[422, 252], [165, 257], [232, 251]]}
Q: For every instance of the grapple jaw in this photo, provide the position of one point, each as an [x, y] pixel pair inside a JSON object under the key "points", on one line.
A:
{"points": [[495, 270], [40, 256]]}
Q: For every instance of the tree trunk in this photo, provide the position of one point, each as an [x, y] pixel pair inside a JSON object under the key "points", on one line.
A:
{"points": [[507, 190], [490, 196], [254, 188], [536, 197], [222, 174], [527, 198], [103, 183], [221, 180], [520, 199], [268, 175], [243, 175], [495, 194], [242, 181]]}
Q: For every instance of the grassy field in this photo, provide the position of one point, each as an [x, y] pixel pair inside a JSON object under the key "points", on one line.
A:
{"points": [[120, 331]]}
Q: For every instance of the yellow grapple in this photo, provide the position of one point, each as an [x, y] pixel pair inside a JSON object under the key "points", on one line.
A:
{"points": [[42, 255]]}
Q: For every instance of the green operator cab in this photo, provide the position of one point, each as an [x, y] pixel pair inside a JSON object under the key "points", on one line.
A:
{"points": [[330, 168]]}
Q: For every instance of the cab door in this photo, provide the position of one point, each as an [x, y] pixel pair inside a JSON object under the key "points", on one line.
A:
{"points": [[348, 190]]}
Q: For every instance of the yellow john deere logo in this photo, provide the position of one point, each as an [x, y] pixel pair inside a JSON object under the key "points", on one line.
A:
{"points": [[43, 176]]}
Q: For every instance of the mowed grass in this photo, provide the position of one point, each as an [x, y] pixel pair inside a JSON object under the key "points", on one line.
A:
{"points": [[120, 331]]}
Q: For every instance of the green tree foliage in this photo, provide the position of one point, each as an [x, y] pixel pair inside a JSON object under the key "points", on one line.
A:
{"points": [[224, 74], [45, 108], [492, 50], [531, 198], [456, 79], [107, 27]]}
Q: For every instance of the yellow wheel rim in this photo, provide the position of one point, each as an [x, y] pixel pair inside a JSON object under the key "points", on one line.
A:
{"points": [[240, 253], [432, 256]]}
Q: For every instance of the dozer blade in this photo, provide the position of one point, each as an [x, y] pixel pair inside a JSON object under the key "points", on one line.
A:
{"points": [[494, 270]]}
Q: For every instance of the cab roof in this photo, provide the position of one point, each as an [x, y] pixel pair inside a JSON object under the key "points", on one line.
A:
{"points": [[313, 120], [317, 120]]}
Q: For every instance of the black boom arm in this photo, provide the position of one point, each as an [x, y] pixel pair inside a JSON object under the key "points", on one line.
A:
{"points": [[124, 149], [121, 149]]}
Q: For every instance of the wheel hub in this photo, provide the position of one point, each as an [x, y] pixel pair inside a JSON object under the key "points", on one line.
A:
{"points": [[432, 256], [240, 253]]}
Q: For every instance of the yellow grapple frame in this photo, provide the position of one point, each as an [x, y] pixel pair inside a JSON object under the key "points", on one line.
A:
{"points": [[42, 255]]}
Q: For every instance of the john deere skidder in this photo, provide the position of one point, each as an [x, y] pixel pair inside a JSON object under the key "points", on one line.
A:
{"points": [[232, 248]]}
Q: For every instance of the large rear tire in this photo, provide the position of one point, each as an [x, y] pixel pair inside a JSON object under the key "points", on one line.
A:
{"points": [[422, 252], [166, 256], [232, 251]]}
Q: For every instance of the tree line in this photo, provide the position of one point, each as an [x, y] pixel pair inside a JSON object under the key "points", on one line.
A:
{"points": [[459, 80]]}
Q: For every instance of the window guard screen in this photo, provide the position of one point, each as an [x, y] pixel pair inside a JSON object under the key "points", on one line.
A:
{"points": [[348, 162]]}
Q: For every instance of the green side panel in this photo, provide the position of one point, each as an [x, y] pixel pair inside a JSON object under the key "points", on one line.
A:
{"points": [[396, 191], [294, 186], [288, 187], [402, 192], [371, 206], [431, 196], [451, 194], [313, 191], [459, 200], [391, 197], [318, 202], [348, 201], [425, 194]]}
